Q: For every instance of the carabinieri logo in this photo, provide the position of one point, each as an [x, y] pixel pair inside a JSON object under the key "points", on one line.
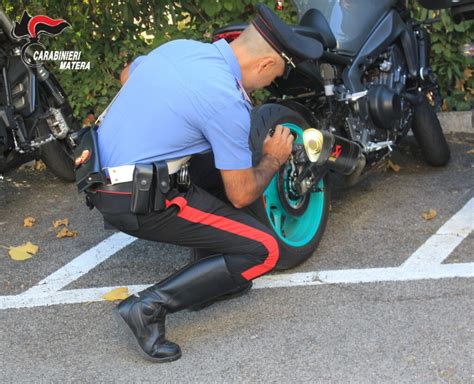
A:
{"points": [[32, 28]]}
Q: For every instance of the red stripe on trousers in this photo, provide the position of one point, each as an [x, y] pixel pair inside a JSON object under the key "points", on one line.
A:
{"points": [[196, 216], [113, 192]]}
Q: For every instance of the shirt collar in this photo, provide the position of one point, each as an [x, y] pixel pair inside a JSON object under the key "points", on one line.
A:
{"points": [[226, 51]]}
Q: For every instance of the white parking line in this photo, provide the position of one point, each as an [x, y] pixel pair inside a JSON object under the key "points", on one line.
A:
{"points": [[81, 264], [445, 240], [350, 276], [421, 265]]}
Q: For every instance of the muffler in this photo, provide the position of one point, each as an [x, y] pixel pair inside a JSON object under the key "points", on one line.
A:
{"points": [[337, 153]]}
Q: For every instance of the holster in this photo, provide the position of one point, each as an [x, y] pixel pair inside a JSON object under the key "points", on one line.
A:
{"points": [[88, 169]]}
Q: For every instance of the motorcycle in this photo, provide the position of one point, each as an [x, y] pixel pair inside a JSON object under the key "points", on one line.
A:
{"points": [[36, 119], [371, 85]]}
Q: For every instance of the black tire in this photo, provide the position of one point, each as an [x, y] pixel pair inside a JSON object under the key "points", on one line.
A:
{"points": [[264, 118], [429, 135], [57, 155]]}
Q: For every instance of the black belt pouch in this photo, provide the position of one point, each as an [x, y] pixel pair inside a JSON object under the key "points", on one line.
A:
{"points": [[162, 185], [142, 189]]}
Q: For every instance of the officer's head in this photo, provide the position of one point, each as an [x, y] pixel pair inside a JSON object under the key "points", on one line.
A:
{"points": [[259, 62]]}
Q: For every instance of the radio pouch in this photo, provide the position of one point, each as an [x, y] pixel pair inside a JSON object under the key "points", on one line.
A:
{"points": [[142, 189], [88, 170], [162, 185]]}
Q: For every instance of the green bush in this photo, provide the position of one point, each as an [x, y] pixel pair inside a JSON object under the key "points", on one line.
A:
{"points": [[112, 33], [452, 68]]}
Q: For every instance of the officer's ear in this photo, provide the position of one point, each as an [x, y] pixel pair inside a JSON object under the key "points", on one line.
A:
{"points": [[266, 63]]}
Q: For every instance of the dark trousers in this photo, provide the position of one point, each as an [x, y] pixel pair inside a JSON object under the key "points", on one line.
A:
{"points": [[200, 218]]}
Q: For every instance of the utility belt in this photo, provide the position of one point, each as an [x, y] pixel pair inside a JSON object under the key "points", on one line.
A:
{"points": [[147, 184]]}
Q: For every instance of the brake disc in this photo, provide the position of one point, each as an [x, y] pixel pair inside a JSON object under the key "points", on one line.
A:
{"points": [[293, 203]]}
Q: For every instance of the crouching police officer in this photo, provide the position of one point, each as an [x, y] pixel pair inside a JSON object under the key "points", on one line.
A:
{"points": [[186, 98]]}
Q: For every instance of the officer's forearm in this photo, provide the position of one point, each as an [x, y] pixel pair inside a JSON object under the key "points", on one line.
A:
{"points": [[263, 174], [244, 186]]}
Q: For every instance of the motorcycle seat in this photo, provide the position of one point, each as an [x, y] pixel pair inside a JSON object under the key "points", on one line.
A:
{"points": [[299, 29], [314, 24], [303, 42], [293, 46]]}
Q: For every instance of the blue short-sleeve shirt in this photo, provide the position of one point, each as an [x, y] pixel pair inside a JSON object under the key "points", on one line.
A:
{"points": [[181, 99]]}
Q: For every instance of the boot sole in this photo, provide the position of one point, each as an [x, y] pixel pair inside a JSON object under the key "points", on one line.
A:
{"points": [[123, 325]]}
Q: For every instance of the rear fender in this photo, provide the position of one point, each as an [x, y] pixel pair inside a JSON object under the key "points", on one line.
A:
{"points": [[229, 32]]}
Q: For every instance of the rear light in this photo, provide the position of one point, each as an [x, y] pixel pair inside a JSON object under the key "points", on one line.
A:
{"points": [[228, 36]]}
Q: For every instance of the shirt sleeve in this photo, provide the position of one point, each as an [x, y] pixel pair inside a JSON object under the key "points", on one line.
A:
{"points": [[135, 63], [228, 133]]}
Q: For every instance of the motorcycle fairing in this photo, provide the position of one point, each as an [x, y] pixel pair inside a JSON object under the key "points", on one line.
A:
{"points": [[385, 33]]}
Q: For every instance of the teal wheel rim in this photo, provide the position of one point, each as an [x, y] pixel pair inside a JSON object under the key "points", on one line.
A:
{"points": [[296, 231]]}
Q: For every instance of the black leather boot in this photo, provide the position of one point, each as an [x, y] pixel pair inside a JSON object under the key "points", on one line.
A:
{"points": [[239, 291], [145, 320], [199, 254], [145, 312]]}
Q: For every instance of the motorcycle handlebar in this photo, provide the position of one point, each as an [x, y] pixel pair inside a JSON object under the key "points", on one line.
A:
{"points": [[6, 26]]}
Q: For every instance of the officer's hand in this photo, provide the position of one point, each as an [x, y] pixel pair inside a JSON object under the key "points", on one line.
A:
{"points": [[279, 144]]}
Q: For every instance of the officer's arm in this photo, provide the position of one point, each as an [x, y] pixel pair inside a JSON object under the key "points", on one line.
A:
{"points": [[244, 186], [129, 68], [124, 74]]}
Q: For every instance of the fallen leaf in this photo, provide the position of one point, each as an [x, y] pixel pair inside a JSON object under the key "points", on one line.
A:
{"points": [[23, 252], [470, 152], [429, 215], [394, 167], [116, 294], [39, 165], [66, 232], [29, 221], [58, 223]]}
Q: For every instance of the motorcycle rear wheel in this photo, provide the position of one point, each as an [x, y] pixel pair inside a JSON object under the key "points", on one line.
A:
{"points": [[57, 155], [298, 224], [429, 135]]}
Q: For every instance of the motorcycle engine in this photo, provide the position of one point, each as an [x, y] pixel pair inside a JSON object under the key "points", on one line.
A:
{"points": [[386, 83], [377, 117]]}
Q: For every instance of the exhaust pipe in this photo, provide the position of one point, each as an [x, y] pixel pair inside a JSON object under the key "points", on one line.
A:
{"points": [[337, 153]]}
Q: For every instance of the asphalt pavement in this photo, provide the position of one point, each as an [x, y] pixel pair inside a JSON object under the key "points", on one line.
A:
{"points": [[415, 330]]}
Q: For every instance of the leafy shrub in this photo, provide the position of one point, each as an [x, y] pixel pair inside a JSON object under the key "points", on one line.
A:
{"points": [[112, 33]]}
